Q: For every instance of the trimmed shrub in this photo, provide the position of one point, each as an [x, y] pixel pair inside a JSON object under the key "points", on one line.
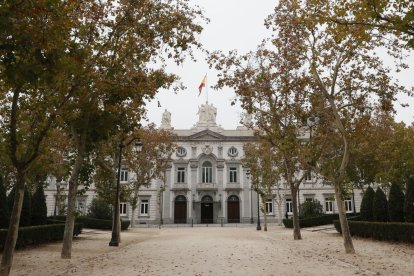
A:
{"points": [[409, 201], [100, 223], [4, 206], [380, 206], [311, 208], [366, 204], [39, 209], [33, 235], [396, 203], [313, 221], [99, 209], [383, 231], [26, 215]]}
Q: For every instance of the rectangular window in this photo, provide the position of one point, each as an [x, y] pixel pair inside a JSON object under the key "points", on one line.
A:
{"points": [[207, 176], [269, 206], [309, 199], [308, 176], [289, 206], [180, 175], [348, 205], [329, 206], [144, 207], [124, 175], [123, 209], [233, 175]]}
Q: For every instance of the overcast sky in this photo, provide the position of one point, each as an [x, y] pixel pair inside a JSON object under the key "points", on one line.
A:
{"points": [[233, 25]]}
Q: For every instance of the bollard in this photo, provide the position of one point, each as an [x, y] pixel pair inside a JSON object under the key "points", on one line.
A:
{"points": [[192, 223]]}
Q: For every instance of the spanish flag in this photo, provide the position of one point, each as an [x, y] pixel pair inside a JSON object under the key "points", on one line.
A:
{"points": [[202, 84]]}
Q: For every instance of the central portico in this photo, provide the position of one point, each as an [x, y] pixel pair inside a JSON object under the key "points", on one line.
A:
{"points": [[206, 182]]}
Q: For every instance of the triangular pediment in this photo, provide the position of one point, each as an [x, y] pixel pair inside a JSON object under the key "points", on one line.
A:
{"points": [[206, 135]]}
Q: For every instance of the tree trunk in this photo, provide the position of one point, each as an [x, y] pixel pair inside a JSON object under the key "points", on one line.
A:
{"points": [[70, 214], [13, 231], [133, 216], [346, 234], [265, 218], [279, 211], [296, 225]]}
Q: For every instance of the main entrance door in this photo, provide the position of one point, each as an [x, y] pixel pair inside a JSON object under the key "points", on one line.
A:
{"points": [[233, 209], [180, 209], [207, 209]]}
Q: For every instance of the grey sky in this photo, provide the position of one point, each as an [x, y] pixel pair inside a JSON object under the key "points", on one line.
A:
{"points": [[234, 25]]}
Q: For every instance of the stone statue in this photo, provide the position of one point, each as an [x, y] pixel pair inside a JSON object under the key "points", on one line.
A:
{"points": [[166, 120], [207, 114], [247, 120]]}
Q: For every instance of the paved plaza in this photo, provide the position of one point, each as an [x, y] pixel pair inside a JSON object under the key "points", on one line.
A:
{"points": [[216, 251]]}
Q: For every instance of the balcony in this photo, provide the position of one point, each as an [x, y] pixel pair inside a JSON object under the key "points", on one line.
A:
{"points": [[233, 186], [180, 187], [206, 187]]}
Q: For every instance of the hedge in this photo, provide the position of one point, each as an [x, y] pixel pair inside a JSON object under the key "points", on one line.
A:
{"points": [[101, 223], [94, 223], [313, 221], [383, 231], [32, 235]]}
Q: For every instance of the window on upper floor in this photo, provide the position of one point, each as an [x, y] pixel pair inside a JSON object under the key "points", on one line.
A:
{"points": [[308, 176], [124, 175], [181, 175], [181, 152], [233, 175], [207, 172], [233, 152]]}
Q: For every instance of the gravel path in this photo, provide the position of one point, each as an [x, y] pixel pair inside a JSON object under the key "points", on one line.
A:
{"points": [[217, 251]]}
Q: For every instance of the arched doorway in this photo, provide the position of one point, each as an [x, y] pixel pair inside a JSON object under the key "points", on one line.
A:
{"points": [[233, 209], [207, 209], [180, 209]]}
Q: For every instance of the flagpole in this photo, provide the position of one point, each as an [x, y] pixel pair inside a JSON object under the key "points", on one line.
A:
{"points": [[207, 88]]}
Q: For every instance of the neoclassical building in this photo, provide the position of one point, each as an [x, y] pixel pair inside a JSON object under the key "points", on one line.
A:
{"points": [[206, 182]]}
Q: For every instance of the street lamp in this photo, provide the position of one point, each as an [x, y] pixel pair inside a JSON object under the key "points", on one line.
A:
{"points": [[251, 196], [116, 219], [116, 216], [258, 227], [57, 195]]}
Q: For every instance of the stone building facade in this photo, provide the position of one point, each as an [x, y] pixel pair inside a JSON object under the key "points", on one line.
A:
{"points": [[206, 182]]}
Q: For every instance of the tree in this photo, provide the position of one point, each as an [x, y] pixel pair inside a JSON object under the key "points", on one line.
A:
{"points": [[396, 203], [396, 17], [344, 80], [366, 204], [380, 206], [26, 216], [35, 85], [409, 200], [149, 163], [100, 209], [264, 172], [119, 68], [4, 207], [39, 208], [270, 87], [311, 208]]}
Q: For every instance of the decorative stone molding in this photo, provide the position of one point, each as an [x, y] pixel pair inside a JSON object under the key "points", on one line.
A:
{"points": [[207, 150]]}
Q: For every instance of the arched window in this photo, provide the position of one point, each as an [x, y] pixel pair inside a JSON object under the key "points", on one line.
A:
{"points": [[207, 172]]}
